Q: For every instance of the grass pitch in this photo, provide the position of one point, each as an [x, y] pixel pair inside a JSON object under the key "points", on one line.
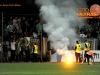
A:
{"points": [[48, 69]]}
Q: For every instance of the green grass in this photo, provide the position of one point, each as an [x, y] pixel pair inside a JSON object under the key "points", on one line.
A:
{"points": [[48, 69]]}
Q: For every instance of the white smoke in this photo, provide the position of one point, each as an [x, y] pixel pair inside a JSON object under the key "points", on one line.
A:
{"points": [[61, 20]]}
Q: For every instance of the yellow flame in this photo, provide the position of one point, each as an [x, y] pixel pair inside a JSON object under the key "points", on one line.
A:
{"points": [[67, 57], [68, 61]]}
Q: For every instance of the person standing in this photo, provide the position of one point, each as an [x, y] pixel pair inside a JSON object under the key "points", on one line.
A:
{"points": [[86, 49], [77, 51], [35, 52], [21, 48], [18, 49], [5, 52], [13, 50], [10, 28], [27, 52], [26, 48]]}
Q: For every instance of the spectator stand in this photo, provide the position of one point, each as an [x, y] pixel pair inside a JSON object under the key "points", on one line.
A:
{"points": [[16, 26]]}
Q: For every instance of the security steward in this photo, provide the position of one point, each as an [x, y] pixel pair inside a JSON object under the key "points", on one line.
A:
{"points": [[77, 51], [86, 49], [35, 52]]}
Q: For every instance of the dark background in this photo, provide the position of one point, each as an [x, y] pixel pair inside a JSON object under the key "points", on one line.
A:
{"points": [[27, 7]]}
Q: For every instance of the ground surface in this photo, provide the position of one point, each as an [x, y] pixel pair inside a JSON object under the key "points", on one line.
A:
{"points": [[48, 69]]}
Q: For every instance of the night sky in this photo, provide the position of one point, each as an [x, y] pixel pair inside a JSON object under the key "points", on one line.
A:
{"points": [[28, 6], [25, 8]]}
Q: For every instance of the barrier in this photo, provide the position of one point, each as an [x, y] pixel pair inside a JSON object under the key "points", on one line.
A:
{"points": [[60, 58]]}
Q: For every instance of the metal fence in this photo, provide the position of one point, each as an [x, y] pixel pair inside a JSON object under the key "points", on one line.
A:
{"points": [[95, 43]]}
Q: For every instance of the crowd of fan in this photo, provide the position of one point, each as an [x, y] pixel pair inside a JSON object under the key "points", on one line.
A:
{"points": [[19, 27], [13, 30], [90, 30]]}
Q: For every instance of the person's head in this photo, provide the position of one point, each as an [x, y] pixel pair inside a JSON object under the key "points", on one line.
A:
{"points": [[11, 18], [5, 26], [16, 18], [23, 18], [85, 41], [20, 39], [94, 53], [4, 43], [11, 23], [13, 40], [77, 42], [36, 21], [35, 44], [31, 18]]}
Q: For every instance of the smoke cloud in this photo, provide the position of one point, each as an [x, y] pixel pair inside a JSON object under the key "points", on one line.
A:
{"points": [[61, 20]]}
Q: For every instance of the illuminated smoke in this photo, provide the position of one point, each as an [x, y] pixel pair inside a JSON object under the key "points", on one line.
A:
{"points": [[61, 20]]}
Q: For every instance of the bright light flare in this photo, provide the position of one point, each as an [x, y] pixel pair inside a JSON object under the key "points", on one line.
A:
{"points": [[69, 61], [69, 58]]}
